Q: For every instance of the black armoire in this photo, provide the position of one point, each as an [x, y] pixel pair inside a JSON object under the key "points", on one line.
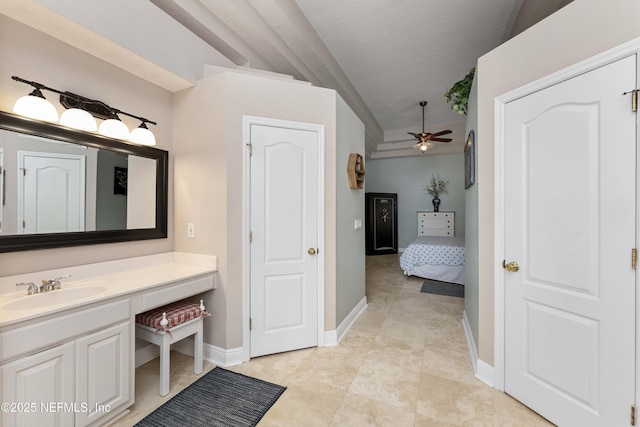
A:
{"points": [[381, 223]]}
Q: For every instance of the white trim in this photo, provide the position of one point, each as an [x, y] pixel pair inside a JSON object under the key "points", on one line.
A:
{"points": [[211, 353], [485, 373], [247, 121], [482, 370], [500, 103], [333, 338]]}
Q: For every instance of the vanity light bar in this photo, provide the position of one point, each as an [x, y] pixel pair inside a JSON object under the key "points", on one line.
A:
{"points": [[36, 106]]}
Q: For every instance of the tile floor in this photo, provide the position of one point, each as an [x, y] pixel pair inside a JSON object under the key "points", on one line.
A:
{"points": [[405, 362]]}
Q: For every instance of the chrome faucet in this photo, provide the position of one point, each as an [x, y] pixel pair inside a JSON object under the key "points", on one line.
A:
{"points": [[32, 288], [53, 284]]}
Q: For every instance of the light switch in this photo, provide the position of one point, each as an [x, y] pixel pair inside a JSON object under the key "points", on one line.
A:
{"points": [[357, 224], [191, 230]]}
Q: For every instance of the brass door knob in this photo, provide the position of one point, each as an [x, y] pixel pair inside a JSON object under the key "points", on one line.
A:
{"points": [[512, 266], [311, 251]]}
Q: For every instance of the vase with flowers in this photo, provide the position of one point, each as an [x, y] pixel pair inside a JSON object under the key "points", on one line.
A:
{"points": [[436, 187]]}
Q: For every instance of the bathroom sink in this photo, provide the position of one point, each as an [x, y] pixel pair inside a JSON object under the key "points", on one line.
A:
{"points": [[52, 298]]}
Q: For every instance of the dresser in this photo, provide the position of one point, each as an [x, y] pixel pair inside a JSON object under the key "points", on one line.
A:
{"points": [[436, 223]]}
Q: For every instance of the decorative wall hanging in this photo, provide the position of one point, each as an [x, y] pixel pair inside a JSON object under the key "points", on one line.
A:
{"points": [[470, 160], [355, 171]]}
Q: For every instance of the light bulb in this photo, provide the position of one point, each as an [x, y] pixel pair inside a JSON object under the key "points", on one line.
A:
{"points": [[142, 135], [114, 128], [78, 119], [36, 107]]}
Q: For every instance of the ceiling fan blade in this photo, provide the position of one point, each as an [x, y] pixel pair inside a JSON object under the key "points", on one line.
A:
{"points": [[414, 134], [441, 139], [444, 132]]}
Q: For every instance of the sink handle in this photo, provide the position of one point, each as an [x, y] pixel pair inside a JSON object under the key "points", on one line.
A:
{"points": [[32, 288]]}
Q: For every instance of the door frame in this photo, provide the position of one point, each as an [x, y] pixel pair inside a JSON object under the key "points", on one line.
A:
{"points": [[247, 122], [499, 159]]}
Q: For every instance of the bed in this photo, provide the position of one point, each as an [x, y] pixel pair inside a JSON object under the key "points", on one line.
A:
{"points": [[435, 257]]}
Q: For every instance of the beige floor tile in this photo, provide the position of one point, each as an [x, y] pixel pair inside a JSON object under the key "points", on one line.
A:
{"points": [[512, 413], [447, 362], [455, 402], [387, 383], [357, 411], [404, 327], [331, 368], [305, 403], [393, 351]]}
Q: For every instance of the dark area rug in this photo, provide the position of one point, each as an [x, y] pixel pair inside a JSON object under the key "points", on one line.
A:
{"points": [[442, 288], [219, 398]]}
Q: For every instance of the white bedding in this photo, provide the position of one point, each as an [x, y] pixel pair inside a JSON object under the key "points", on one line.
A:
{"points": [[435, 257]]}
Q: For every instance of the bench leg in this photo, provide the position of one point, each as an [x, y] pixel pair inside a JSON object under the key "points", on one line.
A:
{"points": [[198, 349], [165, 349]]}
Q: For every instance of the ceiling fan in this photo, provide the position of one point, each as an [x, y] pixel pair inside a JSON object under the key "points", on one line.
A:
{"points": [[424, 138]]}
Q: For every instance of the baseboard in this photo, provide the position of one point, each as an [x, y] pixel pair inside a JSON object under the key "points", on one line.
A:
{"points": [[483, 371], [333, 338], [211, 353], [146, 354]]}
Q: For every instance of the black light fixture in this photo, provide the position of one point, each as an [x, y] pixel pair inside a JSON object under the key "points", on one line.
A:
{"points": [[81, 113]]}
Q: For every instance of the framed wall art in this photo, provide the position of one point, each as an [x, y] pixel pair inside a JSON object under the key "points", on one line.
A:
{"points": [[470, 160]]}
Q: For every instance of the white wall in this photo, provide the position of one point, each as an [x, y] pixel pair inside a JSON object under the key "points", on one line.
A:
{"points": [[32, 55], [579, 31], [408, 176], [209, 153]]}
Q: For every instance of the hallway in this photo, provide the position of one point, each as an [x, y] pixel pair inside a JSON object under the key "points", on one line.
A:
{"points": [[405, 362]]}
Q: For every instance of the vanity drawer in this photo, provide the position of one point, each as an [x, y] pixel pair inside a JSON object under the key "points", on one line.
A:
{"points": [[62, 328], [171, 293]]}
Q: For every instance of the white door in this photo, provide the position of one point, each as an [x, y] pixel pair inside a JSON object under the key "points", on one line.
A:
{"points": [[284, 230], [52, 192], [570, 225]]}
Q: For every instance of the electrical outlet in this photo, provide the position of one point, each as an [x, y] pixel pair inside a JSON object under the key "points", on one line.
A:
{"points": [[357, 224], [191, 230]]}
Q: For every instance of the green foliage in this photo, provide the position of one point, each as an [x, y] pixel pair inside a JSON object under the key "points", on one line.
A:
{"points": [[458, 95]]}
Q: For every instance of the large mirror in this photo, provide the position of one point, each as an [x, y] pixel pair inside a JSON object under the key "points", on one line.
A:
{"points": [[61, 187]]}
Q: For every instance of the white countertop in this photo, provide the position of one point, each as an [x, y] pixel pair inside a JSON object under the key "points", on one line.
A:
{"points": [[114, 278]]}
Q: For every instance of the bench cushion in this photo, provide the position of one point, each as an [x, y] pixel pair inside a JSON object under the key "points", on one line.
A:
{"points": [[177, 313]]}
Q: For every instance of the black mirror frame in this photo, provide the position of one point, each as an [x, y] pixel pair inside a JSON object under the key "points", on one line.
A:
{"points": [[24, 242]]}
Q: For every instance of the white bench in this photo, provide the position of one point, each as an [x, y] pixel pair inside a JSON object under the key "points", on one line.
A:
{"points": [[168, 324]]}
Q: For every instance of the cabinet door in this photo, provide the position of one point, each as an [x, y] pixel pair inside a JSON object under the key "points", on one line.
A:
{"points": [[104, 372], [41, 388]]}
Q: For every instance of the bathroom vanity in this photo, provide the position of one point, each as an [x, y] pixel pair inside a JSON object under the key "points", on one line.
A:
{"points": [[67, 356]]}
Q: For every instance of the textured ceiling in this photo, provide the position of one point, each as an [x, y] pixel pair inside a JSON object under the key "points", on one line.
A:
{"points": [[382, 56]]}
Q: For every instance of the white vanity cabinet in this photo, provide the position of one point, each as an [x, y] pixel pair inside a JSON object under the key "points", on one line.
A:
{"points": [[73, 369], [43, 378]]}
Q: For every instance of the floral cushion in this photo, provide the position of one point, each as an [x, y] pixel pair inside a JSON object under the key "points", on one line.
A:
{"points": [[177, 313]]}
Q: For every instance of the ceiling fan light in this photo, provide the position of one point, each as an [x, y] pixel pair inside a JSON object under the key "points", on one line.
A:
{"points": [[424, 148], [77, 118], [36, 106]]}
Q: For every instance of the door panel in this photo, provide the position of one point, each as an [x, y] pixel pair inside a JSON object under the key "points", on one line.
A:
{"points": [[570, 224], [52, 193], [284, 226]]}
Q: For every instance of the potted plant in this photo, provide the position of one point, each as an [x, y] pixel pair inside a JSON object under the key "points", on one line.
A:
{"points": [[458, 95], [435, 188]]}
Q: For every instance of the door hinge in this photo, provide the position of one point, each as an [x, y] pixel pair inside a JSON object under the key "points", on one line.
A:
{"points": [[24, 224], [633, 415], [250, 236], [250, 324], [634, 99], [250, 149], [634, 258], [24, 171]]}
